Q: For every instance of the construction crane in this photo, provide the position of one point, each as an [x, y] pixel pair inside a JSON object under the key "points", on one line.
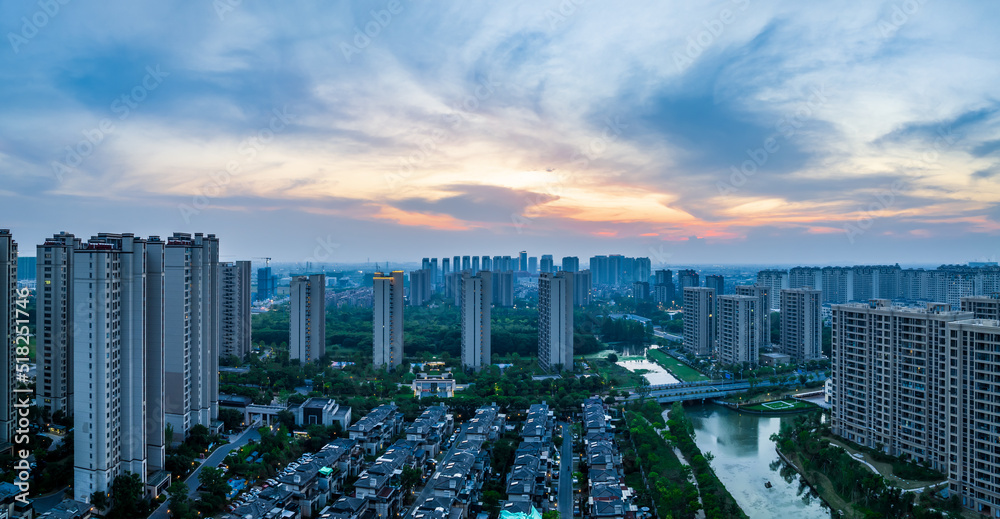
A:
{"points": [[267, 261]]}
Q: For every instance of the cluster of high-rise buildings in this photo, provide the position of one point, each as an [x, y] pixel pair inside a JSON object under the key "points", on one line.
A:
{"points": [[946, 284], [735, 327], [924, 383], [129, 333]]}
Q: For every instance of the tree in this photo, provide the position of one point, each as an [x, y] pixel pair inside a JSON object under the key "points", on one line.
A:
{"points": [[287, 418], [230, 418], [127, 494], [213, 489], [99, 500], [410, 478], [612, 358], [180, 503], [551, 514], [168, 434]]}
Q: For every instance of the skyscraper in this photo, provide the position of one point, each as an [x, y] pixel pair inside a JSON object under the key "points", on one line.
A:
{"points": [[555, 321], [640, 290], [837, 285], [571, 264], [599, 269], [445, 270], [267, 283], [109, 364], [533, 265], [435, 275], [717, 282], [420, 287], [475, 264], [503, 288], [466, 263], [234, 295], [477, 299], [983, 307], [307, 340], [738, 337], [643, 269], [805, 277], [762, 311], [687, 278], [522, 261], [699, 320], [663, 290], [387, 322], [615, 269], [487, 263], [802, 324], [54, 322], [547, 265], [8, 332], [774, 280], [581, 287]]}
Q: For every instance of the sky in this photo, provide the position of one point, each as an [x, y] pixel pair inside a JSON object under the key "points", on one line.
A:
{"points": [[733, 131]]}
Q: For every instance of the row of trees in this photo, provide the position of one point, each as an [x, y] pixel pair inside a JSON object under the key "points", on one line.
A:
{"points": [[651, 466]]}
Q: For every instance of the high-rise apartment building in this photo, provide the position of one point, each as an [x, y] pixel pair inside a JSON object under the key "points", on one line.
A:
{"points": [[466, 263], [699, 320], [863, 281], [982, 307], [388, 320], [762, 311], [307, 337], [234, 308], [54, 322], [435, 274], [615, 269], [775, 281], [640, 291], [716, 282], [487, 263], [477, 299], [664, 291], [503, 288], [267, 283], [599, 269], [522, 261], [738, 337], [445, 270], [420, 287], [802, 324], [582, 285], [643, 269], [805, 277], [837, 284], [546, 264], [533, 265], [475, 264], [571, 264], [8, 329], [687, 278], [555, 321]]}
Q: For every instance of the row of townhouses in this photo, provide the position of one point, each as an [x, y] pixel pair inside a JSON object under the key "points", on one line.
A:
{"points": [[609, 496]]}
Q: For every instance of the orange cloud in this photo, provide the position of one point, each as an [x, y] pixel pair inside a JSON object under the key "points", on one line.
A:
{"points": [[433, 221]]}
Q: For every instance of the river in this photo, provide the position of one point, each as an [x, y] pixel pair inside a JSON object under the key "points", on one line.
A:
{"points": [[745, 459]]}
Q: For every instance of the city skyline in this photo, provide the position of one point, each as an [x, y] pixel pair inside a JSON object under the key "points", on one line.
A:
{"points": [[722, 130]]}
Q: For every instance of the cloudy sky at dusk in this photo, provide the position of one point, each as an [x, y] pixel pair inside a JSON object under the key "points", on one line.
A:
{"points": [[734, 131]]}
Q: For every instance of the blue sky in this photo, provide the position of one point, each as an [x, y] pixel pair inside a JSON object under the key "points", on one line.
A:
{"points": [[735, 131]]}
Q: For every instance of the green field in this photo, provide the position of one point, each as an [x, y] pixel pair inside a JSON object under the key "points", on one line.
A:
{"points": [[779, 406], [680, 370]]}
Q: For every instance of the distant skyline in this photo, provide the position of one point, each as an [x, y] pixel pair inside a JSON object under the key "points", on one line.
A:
{"points": [[726, 132]]}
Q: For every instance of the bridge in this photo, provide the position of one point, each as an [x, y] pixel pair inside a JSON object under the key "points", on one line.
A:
{"points": [[711, 389]]}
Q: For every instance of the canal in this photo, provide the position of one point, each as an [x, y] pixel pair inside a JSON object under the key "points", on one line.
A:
{"points": [[745, 460]]}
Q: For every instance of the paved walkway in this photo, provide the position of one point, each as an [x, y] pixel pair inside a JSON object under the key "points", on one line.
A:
{"points": [[886, 471]]}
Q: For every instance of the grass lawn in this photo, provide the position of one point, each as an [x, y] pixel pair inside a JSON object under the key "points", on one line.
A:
{"points": [[680, 370], [606, 369], [779, 406]]}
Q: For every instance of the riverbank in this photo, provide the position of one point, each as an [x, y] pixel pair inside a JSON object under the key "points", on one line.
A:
{"points": [[821, 485]]}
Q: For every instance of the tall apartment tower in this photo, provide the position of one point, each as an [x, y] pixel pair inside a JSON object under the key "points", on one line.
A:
{"points": [[971, 437], [571, 264], [699, 320], [308, 317], [533, 265], [234, 295], [8, 329], [805, 277], [477, 300], [640, 291], [487, 263], [522, 261], [190, 329], [837, 285], [388, 320], [420, 287], [802, 324], [582, 284], [643, 269], [555, 321], [775, 281], [982, 307], [503, 288], [267, 283], [546, 264], [156, 419], [54, 322], [889, 378], [663, 289], [738, 338], [762, 311], [474, 267], [109, 364], [599, 269], [717, 282], [687, 278]]}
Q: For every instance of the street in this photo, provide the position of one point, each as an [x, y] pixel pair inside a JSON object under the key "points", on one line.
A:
{"points": [[566, 474], [429, 488], [212, 461]]}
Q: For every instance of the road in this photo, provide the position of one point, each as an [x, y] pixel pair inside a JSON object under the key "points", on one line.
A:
{"points": [[212, 461], [429, 487], [566, 473]]}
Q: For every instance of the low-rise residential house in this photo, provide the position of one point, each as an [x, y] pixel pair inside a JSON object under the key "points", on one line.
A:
{"points": [[377, 428], [486, 425], [272, 503], [438, 508], [347, 508], [431, 428], [69, 509], [538, 425], [594, 416]]}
